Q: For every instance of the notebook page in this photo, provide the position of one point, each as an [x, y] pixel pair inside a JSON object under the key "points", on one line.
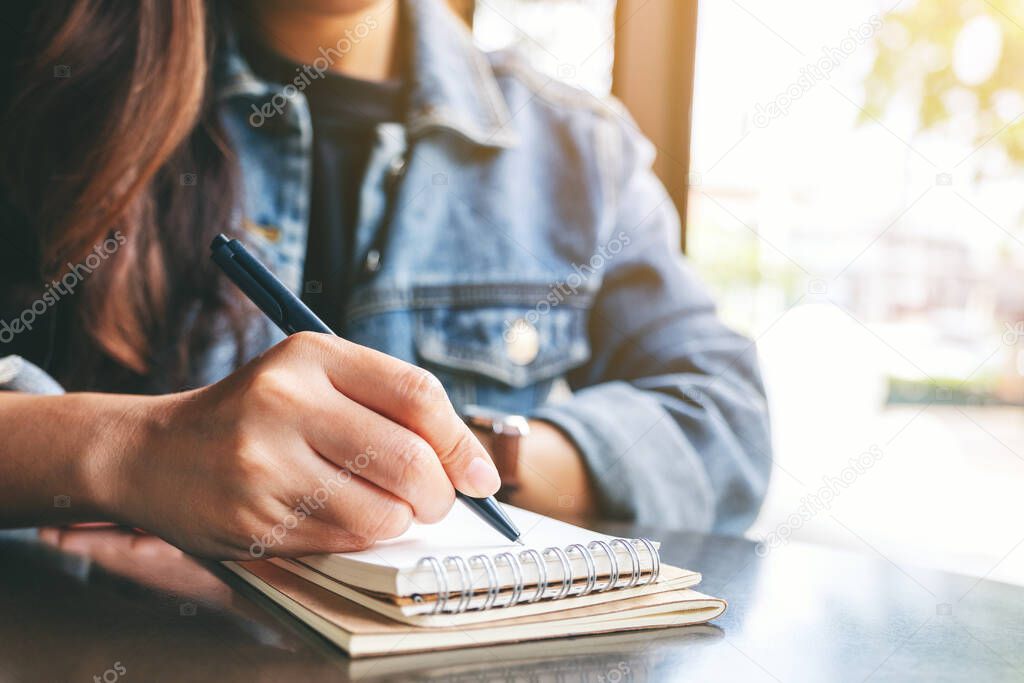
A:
{"points": [[394, 567], [462, 533]]}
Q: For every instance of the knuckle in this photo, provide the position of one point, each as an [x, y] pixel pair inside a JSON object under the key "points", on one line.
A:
{"points": [[239, 473], [317, 347], [413, 465], [272, 386], [410, 460], [286, 347], [304, 341], [251, 465], [463, 444], [418, 388], [242, 458]]}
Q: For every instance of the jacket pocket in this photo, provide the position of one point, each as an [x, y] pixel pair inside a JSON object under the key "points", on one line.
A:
{"points": [[512, 345]]}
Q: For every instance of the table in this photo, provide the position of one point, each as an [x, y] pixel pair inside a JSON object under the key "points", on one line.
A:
{"points": [[109, 605]]}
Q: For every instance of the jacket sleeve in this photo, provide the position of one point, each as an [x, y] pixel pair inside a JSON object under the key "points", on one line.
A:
{"points": [[669, 413], [17, 374]]}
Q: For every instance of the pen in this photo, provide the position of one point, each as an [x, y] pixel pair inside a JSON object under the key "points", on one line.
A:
{"points": [[289, 313]]}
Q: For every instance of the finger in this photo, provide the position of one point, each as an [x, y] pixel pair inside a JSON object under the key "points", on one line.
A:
{"points": [[353, 511], [87, 541], [318, 537], [415, 399], [380, 451]]}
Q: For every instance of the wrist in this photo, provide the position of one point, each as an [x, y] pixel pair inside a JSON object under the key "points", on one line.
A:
{"points": [[553, 476], [502, 435], [121, 432]]}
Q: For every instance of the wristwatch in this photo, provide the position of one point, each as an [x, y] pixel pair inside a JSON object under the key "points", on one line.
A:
{"points": [[505, 434]]}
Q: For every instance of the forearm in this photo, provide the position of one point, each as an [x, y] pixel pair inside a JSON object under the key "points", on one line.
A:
{"points": [[681, 451], [553, 477], [58, 454]]}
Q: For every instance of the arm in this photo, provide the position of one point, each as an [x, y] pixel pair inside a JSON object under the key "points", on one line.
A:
{"points": [[669, 415], [318, 445], [553, 478], [50, 449]]}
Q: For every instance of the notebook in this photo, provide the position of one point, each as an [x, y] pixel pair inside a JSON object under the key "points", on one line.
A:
{"points": [[618, 657], [457, 584]]}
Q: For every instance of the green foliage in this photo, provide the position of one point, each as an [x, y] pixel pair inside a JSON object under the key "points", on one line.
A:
{"points": [[728, 259], [953, 391], [923, 66]]}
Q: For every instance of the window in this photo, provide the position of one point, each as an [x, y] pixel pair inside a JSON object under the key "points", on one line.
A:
{"points": [[853, 205]]}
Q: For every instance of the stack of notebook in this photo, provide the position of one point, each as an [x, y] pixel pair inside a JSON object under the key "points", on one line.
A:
{"points": [[457, 584]]}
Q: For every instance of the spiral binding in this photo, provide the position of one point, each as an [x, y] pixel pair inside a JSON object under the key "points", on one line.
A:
{"points": [[560, 556]]}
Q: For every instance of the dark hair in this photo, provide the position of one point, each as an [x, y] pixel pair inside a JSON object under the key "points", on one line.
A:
{"points": [[109, 130]]}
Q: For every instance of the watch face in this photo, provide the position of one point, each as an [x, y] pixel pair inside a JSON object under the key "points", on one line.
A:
{"points": [[513, 424], [495, 420], [479, 416]]}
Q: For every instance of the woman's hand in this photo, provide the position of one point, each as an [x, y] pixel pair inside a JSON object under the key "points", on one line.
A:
{"points": [[319, 445]]}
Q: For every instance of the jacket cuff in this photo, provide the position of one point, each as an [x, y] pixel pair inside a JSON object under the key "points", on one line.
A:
{"points": [[640, 463], [17, 374]]}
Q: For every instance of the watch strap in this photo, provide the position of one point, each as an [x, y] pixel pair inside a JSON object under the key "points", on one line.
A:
{"points": [[502, 434], [504, 449]]}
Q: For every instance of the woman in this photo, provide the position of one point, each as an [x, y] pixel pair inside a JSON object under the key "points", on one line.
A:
{"points": [[439, 207]]}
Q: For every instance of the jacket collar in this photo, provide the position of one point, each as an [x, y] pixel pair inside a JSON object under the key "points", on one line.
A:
{"points": [[452, 85]]}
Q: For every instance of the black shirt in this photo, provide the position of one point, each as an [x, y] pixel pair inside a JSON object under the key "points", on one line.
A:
{"points": [[345, 112]]}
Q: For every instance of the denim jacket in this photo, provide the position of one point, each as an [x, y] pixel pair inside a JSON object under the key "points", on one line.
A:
{"points": [[513, 239]]}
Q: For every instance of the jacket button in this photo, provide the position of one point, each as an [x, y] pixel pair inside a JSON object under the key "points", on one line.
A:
{"points": [[372, 263], [522, 342], [396, 168]]}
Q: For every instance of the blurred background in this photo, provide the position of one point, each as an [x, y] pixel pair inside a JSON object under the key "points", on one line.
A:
{"points": [[850, 177]]}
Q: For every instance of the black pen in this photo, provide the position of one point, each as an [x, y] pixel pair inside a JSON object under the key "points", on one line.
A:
{"points": [[291, 315]]}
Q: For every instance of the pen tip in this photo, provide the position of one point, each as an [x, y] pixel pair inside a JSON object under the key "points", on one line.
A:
{"points": [[520, 542]]}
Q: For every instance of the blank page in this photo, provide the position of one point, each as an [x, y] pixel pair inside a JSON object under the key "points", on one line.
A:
{"points": [[463, 534]]}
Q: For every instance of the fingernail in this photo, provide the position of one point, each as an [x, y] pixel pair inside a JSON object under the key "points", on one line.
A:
{"points": [[483, 478]]}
